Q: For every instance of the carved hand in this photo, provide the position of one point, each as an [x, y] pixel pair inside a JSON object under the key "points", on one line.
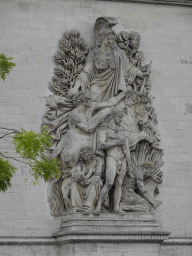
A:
{"points": [[121, 137], [87, 182], [74, 90], [101, 120], [127, 90]]}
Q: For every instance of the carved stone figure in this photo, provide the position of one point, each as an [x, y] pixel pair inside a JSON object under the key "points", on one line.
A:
{"points": [[87, 182], [66, 183], [132, 201], [106, 67], [117, 158], [82, 123], [103, 125]]}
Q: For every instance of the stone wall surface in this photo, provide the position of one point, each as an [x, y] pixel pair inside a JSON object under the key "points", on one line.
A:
{"points": [[29, 32], [29, 250], [97, 250]]}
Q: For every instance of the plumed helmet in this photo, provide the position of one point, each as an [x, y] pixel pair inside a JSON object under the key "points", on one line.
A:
{"points": [[105, 24]]}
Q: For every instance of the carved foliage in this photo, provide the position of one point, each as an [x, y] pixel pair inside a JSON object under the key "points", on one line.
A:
{"points": [[130, 43], [69, 59]]}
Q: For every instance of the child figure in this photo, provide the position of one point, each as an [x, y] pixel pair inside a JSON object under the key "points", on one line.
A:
{"points": [[66, 176]]}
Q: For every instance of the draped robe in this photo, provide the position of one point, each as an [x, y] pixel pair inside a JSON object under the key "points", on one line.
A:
{"points": [[105, 76]]}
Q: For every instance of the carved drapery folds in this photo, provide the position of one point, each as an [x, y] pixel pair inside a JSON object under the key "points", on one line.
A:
{"points": [[103, 125]]}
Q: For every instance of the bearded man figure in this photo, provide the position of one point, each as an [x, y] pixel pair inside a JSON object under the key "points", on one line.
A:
{"points": [[82, 123]]}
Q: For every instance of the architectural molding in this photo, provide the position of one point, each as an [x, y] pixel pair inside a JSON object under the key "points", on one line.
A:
{"points": [[187, 3], [95, 238], [106, 237], [9, 240], [178, 241]]}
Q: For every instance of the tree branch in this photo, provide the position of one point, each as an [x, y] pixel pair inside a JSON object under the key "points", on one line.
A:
{"points": [[9, 129], [16, 159], [7, 134]]}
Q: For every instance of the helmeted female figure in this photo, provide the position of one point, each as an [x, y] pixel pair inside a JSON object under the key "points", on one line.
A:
{"points": [[106, 67]]}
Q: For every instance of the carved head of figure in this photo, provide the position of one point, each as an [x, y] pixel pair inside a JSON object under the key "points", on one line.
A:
{"points": [[117, 114], [82, 98], [69, 161], [106, 37], [148, 169], [134, 38], [103, 25], [86, 154]]}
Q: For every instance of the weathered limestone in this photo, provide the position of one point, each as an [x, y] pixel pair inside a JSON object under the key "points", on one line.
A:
{"points": [[103, 125], [30, 31], [111, 228], [105, 134]]}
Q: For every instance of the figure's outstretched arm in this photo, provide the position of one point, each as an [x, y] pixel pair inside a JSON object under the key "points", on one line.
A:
{"points": [[86, 127], [84, 78], [144, 193], [111, 102]]}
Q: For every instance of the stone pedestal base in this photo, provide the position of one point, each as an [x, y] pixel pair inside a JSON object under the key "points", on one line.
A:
{"points": [[122, 232], [109, 249]]}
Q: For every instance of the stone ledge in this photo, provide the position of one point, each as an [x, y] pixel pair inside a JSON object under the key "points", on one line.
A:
{"points": [[110, 228], [52, 241], [177, 241], [108, 223], [27, 241], [139, 237], [187, 3]]}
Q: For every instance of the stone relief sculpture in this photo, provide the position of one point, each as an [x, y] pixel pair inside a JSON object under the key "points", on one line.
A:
{"points": [[103, 125]]}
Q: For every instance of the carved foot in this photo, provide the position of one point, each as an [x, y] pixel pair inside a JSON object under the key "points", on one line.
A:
{"points": [[96, 212], [70, 212], [135, 208], [157, 203], [74, 210], [87, 210], [120, 212]]}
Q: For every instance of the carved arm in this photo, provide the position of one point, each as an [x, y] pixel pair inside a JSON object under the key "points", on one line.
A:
{"points": [[86, 127], [145, 194], [111, 102], [96, 178]]}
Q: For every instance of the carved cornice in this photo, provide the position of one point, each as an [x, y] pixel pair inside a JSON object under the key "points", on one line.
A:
{"points": [[24, 241], [112, 239], [28, 241], [177, 241], [187, 3]]}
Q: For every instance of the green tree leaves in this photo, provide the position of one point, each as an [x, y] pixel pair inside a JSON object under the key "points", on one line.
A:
{"points": [[30, 146], [6, 174], [46, 169], [5, 66]]}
